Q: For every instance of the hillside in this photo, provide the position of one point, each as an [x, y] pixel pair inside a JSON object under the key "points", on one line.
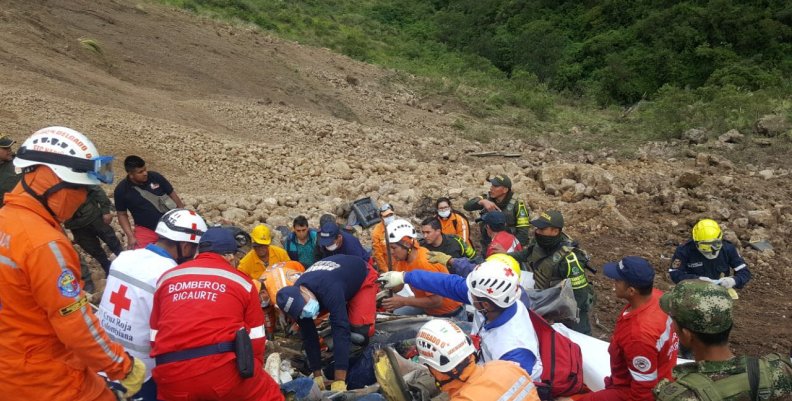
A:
{"points": [[252, 128]]}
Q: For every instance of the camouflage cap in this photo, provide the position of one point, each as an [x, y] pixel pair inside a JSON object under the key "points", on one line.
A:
{"points": [[699, 306]]}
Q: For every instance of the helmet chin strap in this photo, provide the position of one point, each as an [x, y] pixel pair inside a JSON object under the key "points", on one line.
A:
{"points": [[455, 373], [44, 198]]}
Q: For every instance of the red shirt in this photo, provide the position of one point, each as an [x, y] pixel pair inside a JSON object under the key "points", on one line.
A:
{"points": [[203, 302], [643, 349], [505, 239]]}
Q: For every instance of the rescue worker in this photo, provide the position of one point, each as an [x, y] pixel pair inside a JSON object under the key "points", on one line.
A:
{"points": [[501, 325], [435, 241], [262, 253], [205, 323], [8, 176], [91, 223], [452, 221], [643, 348], [146, 195], [553, 257], [451, 358], [52, 345], [709, 257], [128, 298], [334, 241], [501, 197], [410, 256], [702, 316], [501, 240], [301, 242], [345, 286], [379, 249]]}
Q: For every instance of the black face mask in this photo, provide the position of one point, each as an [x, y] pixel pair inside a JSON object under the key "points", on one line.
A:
{"points": [[547, 242]]}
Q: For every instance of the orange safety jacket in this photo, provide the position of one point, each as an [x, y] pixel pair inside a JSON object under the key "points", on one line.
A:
{"points": [[456, 224], [379, 250], [493, 381], [52, 345]]}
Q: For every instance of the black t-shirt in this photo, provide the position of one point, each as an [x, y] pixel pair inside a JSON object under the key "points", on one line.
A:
{"points": [[127, 198], [449, 246]]}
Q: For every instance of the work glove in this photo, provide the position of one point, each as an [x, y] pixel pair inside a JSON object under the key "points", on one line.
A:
{"points": [[727, 282], [391, 279], [134, 379], [338, 386], [439, 257], [319, 380], [709, 280]]}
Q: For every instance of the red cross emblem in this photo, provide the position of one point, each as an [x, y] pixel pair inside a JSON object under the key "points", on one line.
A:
{"points": [[509, 272], [194, 229], [120, 300], [489, 290]]}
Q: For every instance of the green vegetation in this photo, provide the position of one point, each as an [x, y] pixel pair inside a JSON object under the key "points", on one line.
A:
{"points": [[626, 70]]}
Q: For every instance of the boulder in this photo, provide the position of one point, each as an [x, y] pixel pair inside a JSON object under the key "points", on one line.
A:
{"points": [[695, 136], [597, 178], [772, 125], [731, 136], [235, 215], [766, 174], [761, 217], [689, 180]]}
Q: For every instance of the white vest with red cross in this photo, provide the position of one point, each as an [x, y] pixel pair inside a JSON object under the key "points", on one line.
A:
{"points": [[128, 298]]}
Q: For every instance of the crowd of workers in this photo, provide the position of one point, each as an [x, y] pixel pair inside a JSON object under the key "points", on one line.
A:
{"points": [[183, 315]]}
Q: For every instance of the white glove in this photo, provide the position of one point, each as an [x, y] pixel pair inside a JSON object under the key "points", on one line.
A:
{"points": [[391, 279], [709, 280], [727, 282]]}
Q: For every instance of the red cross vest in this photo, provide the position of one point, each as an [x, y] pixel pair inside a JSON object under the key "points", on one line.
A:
{"points": [[128, 298]]}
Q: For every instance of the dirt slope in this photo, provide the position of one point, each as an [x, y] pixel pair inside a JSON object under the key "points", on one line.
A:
{"points": [[254, 129]]}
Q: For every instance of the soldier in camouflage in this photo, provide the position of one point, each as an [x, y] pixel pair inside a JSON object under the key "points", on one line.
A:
{"points": [[500, 197], [702, 314]]}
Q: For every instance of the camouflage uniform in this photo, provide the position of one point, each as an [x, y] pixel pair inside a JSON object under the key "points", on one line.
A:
{"points": [[707, 308]]}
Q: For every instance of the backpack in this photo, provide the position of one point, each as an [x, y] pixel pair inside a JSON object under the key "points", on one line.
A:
{"points": [[756, 381], [562, 361]]}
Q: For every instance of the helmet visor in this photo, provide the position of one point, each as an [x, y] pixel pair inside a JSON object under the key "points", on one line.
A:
{"points": [[710, 247], [102, 169]]}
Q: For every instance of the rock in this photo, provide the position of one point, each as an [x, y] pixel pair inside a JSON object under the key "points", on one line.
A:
{"points": [[695, 136], [339, 167], [270, 202], [551, 189], [597, 178], [235, 215], [741, 222], [567, 183], [689, 180], [726, 180], [761, 217], [771, 125], [731, 236], [766, 174], [731, 136]]}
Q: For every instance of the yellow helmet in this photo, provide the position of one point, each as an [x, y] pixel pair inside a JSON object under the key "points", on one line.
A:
{"points": [[508, 260], [708, 238], [261, 235]]}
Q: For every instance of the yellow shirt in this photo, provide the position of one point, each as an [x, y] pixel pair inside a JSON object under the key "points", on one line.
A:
{"points": [[254, 267]]}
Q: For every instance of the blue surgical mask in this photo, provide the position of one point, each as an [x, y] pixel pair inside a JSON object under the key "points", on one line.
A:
{"points": [[311, 310]]}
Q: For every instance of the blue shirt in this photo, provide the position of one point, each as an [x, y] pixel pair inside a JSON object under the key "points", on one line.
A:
{"points": [[304, 253], [689, 263], [349, 246], [143, 212], [455, 287], [334, 280]]}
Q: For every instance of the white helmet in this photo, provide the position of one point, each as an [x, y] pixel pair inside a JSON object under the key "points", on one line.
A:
{"points": [[181, 225], [399, 229], [442, 345], [495, 281], [70, 155]]}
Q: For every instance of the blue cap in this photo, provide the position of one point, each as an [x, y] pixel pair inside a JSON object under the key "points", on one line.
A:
{"points": [[634, 270], [495, 219], [291, 301], [218, 240], [328, 233]]}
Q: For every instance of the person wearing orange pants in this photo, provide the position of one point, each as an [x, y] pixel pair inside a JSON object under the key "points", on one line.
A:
{"points": [[52, 345]]}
